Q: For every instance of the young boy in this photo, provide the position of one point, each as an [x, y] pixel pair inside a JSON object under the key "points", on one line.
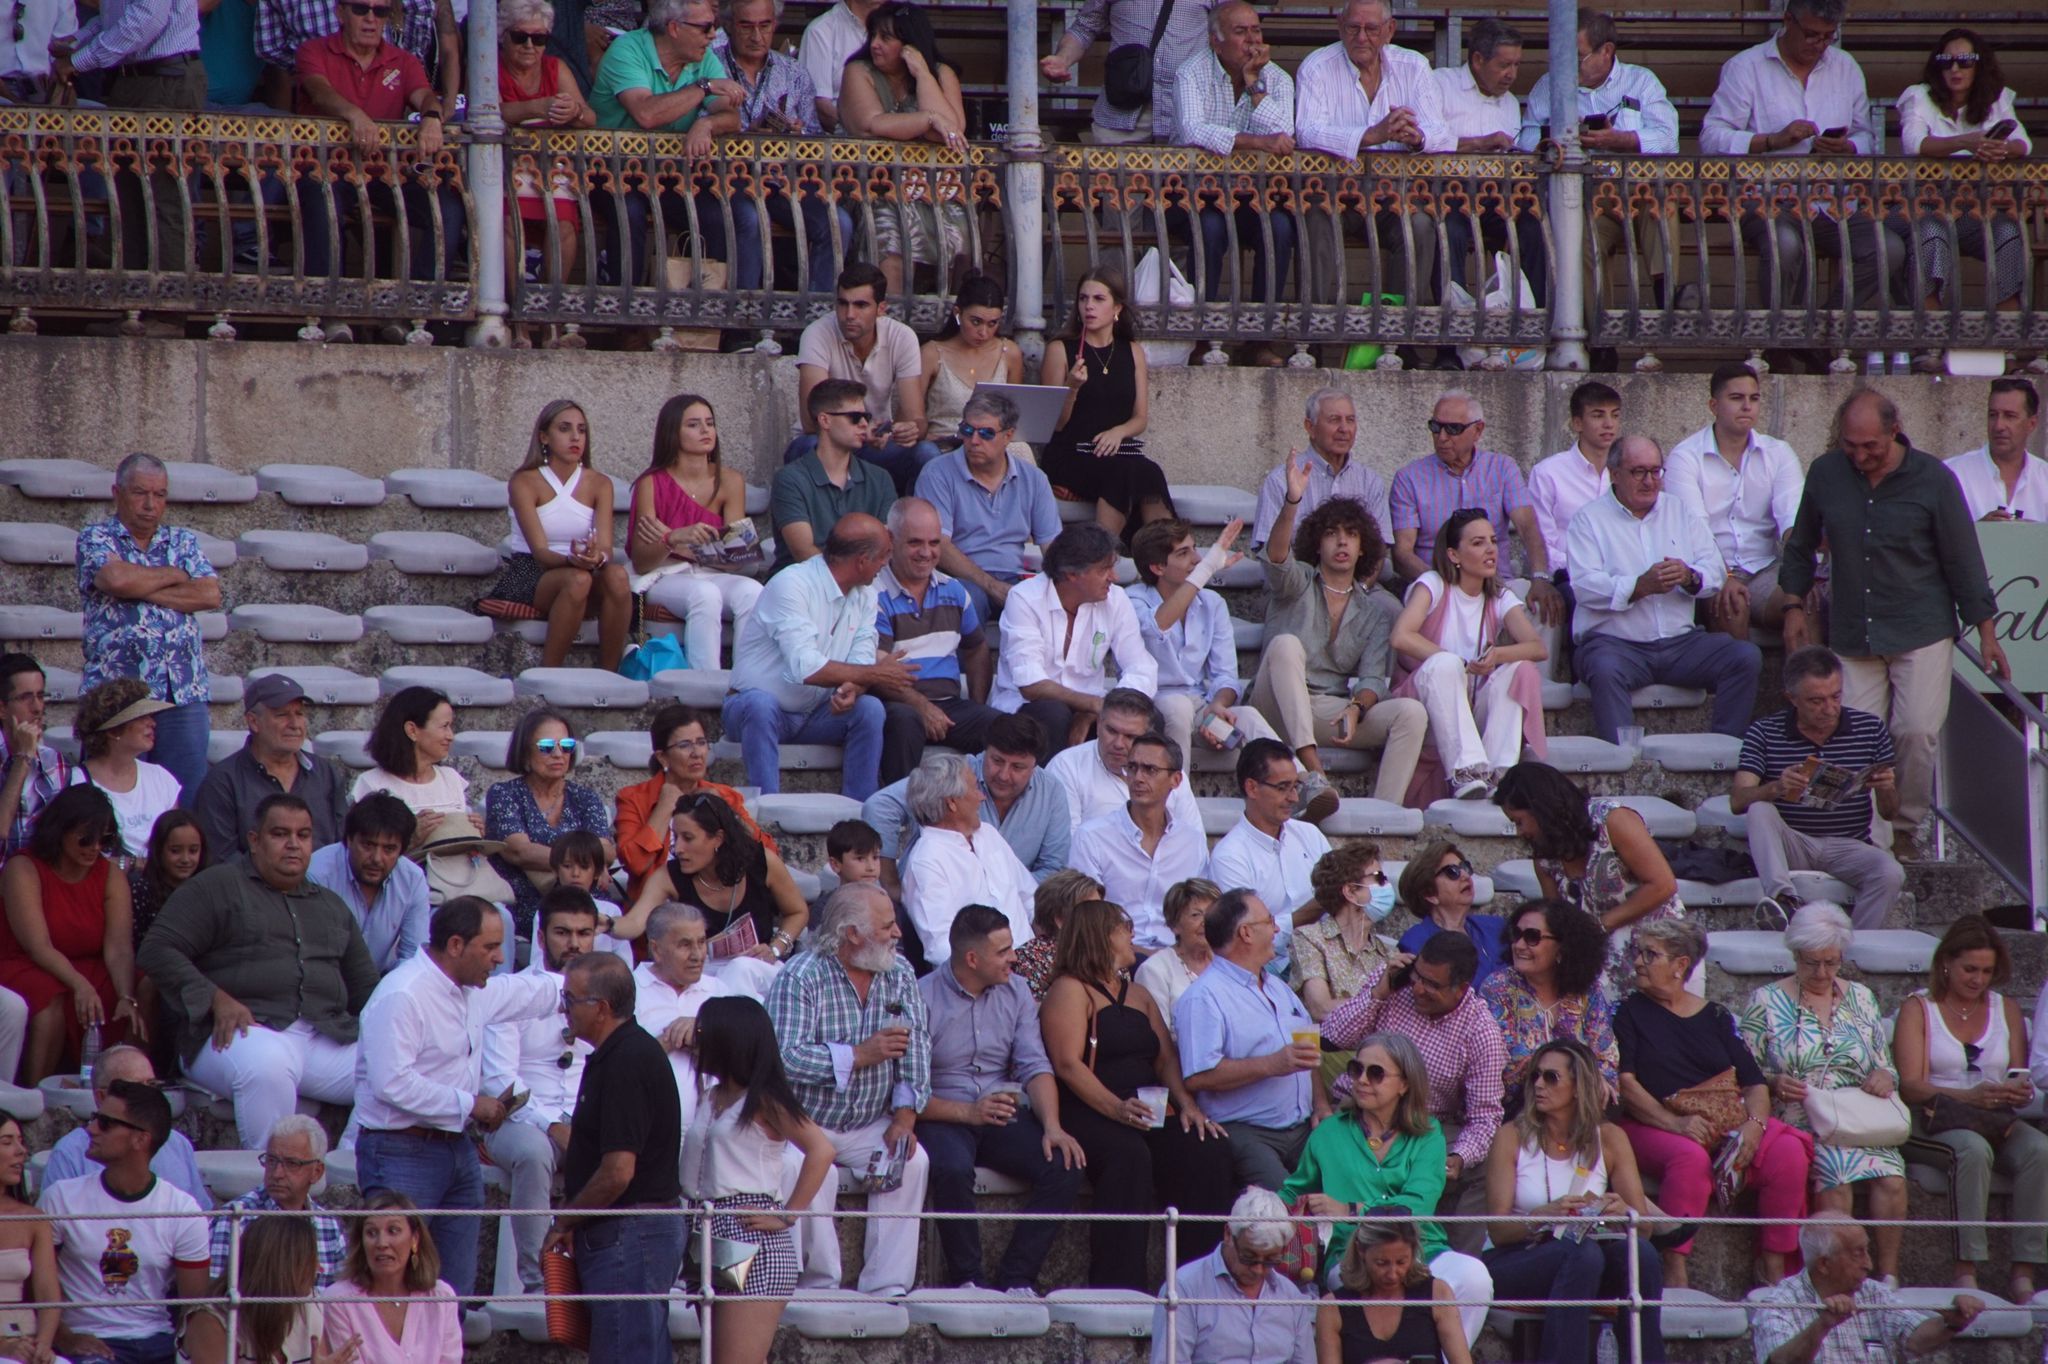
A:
{"points": [[854, 852], [577, 859]]}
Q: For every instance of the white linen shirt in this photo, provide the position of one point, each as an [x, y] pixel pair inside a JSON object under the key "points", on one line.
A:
{"points": [[1610, 549], [1110, 848], [1750, 509], [802, 621], [40, 22], [1472, 114], [1210, 113], [828, 41], [1758, 93], [1196, 657], [1332, 114], [420, 1061], [946, 869], [656, 1004], [1920, 118], [1984, 487], [1631, 97], [1034, 628], [1093, 789], [1277, 868], [527, 1055], [1558, 487]]}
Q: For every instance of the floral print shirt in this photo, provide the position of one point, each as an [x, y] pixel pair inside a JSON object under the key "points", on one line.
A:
{"points": [[137, 638]]}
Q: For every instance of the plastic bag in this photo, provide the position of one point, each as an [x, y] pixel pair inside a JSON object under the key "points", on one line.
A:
{"points": [[1180, 294], [1498, 299]]}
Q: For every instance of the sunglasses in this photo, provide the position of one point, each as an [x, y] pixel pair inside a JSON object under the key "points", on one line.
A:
{"points": [[363, 11], [568, 1056], [1548, 1076], [864, 418], [1457, 871], [1371, 878], [1533, 937], [550, 745], [518, 39], [1948, 59], [106, 1120], [1374, 1074], [978, 432], [1437, 428], [706, 29]]}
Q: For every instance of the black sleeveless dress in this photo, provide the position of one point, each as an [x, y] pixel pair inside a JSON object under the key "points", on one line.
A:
{"points": [[1127, 479], [757, 902], [1414, 1336]]}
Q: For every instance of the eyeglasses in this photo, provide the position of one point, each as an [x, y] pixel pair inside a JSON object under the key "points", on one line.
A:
{"points": [[37, 695], [1371, 878], [688, 746], [863, 418], [1149, 769], [1533, 937], [106, 1120], [292, 1163], [517, 39], [707, 29], [1645, 475], [979, 432], [550, 745], [363, 11], [1948, 59], [570, 1001], [1647, 954], [1547, 1076], [1266, 1261], [1457, 871], [1437, 428], [1285, 788]]}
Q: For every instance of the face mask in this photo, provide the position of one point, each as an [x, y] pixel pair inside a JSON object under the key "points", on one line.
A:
{"points": [[1380, 903]]}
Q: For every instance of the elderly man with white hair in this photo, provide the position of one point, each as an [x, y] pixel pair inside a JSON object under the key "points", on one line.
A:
{"points": [[858, 1050], [957, 859], [1331, 423], [1833, 1312], [1266, 1320], [672, 986], [294, 1163]]}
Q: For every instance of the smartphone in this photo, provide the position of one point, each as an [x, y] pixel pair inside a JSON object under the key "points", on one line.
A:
{"points": [[1401, 976], [1834, 132], [2003, 130], [2014, 1073], [1594, 123]]}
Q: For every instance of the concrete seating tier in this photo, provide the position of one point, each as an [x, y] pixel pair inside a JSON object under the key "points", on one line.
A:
{"points": [[430, 624], [286, 623], [320, 485], [435, 552], [303, 551], [462, 686]]}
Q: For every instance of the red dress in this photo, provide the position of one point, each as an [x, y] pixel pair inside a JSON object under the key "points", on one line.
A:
{"points": [[76, 919], [526, 177]]}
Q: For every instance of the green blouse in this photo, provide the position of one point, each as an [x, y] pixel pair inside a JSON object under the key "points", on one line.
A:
{"points": [[1338, 1162]]}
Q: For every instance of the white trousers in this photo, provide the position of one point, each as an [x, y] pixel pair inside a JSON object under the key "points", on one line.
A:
{"points": [[703, 599], [266, 1072], [1178, 712], [1482, 730], [889, 1257]]}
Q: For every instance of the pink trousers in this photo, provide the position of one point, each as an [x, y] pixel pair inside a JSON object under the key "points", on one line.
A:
{"points": [[1685, 1173]]}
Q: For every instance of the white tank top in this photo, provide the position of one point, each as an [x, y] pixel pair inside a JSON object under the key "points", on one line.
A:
{"points": [[723, 1156], [1947, 1065], [563, 519], [1540, 1178]]}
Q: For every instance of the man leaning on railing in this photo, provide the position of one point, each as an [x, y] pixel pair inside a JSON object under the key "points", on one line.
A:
{"points": [[1833, 1312], [1275, 1323]]}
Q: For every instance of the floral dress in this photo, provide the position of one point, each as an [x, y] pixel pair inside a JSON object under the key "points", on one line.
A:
{"points": [[1788, 1039], [1605, 885], [1527, 1027]]}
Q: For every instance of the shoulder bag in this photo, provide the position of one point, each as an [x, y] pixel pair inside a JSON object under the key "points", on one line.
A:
{"points": [[1127, 71]]}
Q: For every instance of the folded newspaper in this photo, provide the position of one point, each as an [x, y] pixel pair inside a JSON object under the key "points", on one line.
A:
{"points": [[1831, 784]]}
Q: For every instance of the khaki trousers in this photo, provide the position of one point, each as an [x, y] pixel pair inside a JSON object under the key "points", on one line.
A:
{"points": [[1909, 692], [1395, 726]]}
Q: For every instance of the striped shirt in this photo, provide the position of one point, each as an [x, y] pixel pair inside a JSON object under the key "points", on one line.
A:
{"points": [[1860, 740], [1425, 493], [930, 632]]}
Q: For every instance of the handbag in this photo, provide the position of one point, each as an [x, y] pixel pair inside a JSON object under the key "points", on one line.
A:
{"points": [[1853, 1117], [1717, 1098], [1127, 70], [660, 654], [1730, 1179], [1942, 1113]]}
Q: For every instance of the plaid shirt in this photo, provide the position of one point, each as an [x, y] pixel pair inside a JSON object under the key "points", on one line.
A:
{"points": [[47, 775], [1425, 494], [1211, 114], [330, 1243], [1878, 1330], [820, 1020], [1462, 1051], [137, 639], [784, 88], [284, 26]]}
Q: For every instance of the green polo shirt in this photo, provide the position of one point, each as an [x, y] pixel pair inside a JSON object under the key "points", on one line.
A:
{"points": [[630, 63], [802, 492]]}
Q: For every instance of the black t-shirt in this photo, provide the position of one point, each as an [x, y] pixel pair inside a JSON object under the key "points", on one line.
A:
{"points": [[627, 1103]]}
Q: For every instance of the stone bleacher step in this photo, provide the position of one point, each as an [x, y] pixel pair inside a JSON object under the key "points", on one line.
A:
{"points": [[582, 688], [303, 551], [320, 485], [296, 623], [464, 687], [430, 624], [448, 489], [75, 480], [328, 686], [1484, 819], [439, 553]]}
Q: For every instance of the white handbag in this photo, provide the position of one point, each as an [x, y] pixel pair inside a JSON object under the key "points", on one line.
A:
{"points": [[1853, 1117]]}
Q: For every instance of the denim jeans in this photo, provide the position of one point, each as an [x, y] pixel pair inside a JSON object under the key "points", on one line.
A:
{"points": [[746, 226], [630, 1255], [181, 746], [762, 727], [419, 223], [434, 1173], [901, 462], [158, 1349]]}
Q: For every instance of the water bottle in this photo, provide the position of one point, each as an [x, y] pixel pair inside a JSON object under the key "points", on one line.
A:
{"points": [[89, 1054], [1608, 1351]]}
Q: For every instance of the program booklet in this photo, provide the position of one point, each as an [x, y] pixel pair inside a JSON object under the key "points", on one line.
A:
{"points": [[1831, 784], [741, 544], [739, 938]]}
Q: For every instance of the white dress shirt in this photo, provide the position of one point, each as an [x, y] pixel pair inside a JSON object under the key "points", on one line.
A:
{"points": [[1984, 486], [1471, 113], [421, 1062], [1277, 868], [828, 41], [1749, 509], [527, 1055], [1036, 647], [1920, 118], [802, 621], [1758, 93], [40, 21], [1631, 97], [1093, 789], [1558, 487], [1332, 113], [946, 869], [656, 1004], [1611, 547], [1197, 655], [1110, 848], [1210, 113]]}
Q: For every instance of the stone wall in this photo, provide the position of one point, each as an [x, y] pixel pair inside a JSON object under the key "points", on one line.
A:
{"points": [[374, 408]]}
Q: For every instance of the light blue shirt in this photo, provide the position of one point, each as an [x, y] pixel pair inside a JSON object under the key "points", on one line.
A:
{"points": [[1227, 1015], [991, 527], [1198, 656], [1039, 827], [1277, 1327], [175, 1165], [395, 923], [1631, 97], [802, 621]]}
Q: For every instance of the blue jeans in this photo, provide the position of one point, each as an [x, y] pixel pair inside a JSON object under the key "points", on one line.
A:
{"points": [[434, 1173], [1563, 1271], [1611, 668], [1016, 1149], [630, 1255], [347, 210], [746, 226], [901, 462], [762, 727], [181, 746], [159, 1349]]}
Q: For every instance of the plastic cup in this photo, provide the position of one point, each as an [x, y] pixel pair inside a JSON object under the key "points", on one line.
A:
{"points": [[1154, 1098], [1309, 1037], [1630, 737]]}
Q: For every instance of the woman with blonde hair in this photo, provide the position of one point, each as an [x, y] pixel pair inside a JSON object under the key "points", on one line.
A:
{"points": [[1403, 1311], [278, 1259], [391, 1255]]}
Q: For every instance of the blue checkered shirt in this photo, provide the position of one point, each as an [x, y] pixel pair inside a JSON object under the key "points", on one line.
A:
{"points": [[820, 1020], [330, 1243]]}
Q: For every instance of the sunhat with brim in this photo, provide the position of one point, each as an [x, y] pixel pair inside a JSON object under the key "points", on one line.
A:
{"points": [[134, 710]]}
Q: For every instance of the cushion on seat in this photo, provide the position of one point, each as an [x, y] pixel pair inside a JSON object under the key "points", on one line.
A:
{"points": [[303, 551], [1713, 813], [320, 485], [24, 1104], [1749, 952], [1102, 1313], [439, 552], [41, 622], [477, 1328], [2000, 1319], [701, 688], [987, 1181], [1693, 752], [1705, 895], [64, 480], [1212, 504], [230, 1174], [1250, 635], [1665, 819], [534, 630], [463, 686], [809, 885], [842, 1314], [213, 625], [488, 747], [1518, 877], [224, 743], [1656, 696], [1219, 814], [37, 542], [757, 500], [1583, 753], [1556, 695], [976, 1313], [596, 688], [1896, 951], [1818, 885], [283, 623], [220, 553], [1469, 818], [1073, 510], [1690, 1314], [805, 812], [626, 748], [448, 489], [1364, 815], [429, 624], [327, 686]]}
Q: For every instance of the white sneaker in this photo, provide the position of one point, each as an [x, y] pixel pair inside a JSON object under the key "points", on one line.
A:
{"points": [[1318, 800]]}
